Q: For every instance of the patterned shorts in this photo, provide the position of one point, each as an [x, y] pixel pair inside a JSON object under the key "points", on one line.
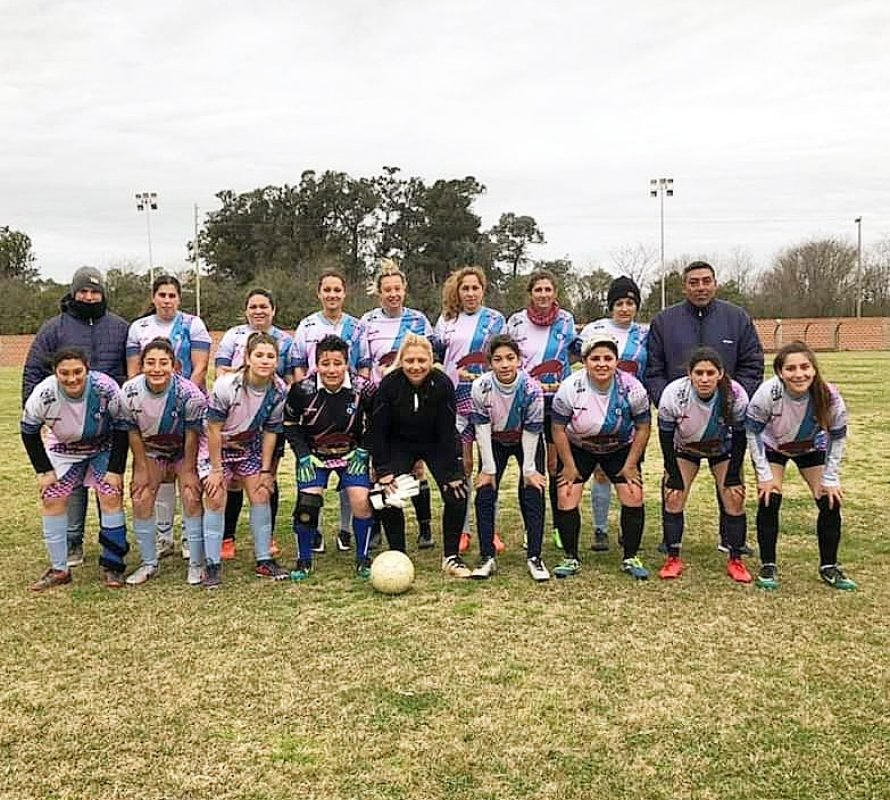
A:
{"points": [[90, 473]]}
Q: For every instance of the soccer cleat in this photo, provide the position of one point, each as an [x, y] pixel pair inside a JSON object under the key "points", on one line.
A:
{"points": [[228, 549], [834, 576], [184, 548], [767, 578], [672, 568], [212, 576], [454, 567], [363, 569], [318, 543], [557, 539], [75, 555], [301, 571], [50, 579], [487, 568], [195, 575], [465, 539], [425, 540], [499, 545], [737, 570], [142, 575], [344, 541], [537, 569], [568, 568], [723, 547], [274, 549], [634, 567], [268, 568], [113, 578], [165, 547], [600, 541]]}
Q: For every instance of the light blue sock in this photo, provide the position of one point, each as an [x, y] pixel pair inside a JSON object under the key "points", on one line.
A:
{"points": [[144, 530], [194, 533], [601, 496], [55, 534], [214, 523], [345, 511], [261, 528]]}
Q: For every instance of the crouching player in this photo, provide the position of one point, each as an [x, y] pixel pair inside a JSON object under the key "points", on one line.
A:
{"points": [[244, 419], [601, 416], [86, 445], [324, 423], [165, 414], [703, 416], [508, 417], [797, 416]]}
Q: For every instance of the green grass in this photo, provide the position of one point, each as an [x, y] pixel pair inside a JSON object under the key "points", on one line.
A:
{"points": [[506, 689]]}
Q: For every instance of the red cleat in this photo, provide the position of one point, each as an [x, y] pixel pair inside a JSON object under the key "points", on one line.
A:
{"points": [[228, 549], [737, 570], [673, 568], [464, 542]]}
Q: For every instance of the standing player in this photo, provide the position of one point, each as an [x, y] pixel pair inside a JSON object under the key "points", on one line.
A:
{"points": [[385, 330], [545, 334], [259, 312], [797, 416], [508, 417], [244, 419], [191, 344], [331, 320], [601, 418], [462, 334], [165, 416], [324, 422], [623, 299], [86, 445], [703, 416]]}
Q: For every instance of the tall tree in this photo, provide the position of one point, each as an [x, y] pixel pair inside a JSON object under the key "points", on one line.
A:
{"points": [[637, 261], [16, 259], [512, 237]]}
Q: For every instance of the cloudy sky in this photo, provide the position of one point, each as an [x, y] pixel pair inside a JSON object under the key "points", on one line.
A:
{"points": [[773, 117]]}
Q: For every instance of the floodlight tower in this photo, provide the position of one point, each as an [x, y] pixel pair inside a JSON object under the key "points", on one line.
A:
{"points": [[661, 187], [858, 222], [148, 202]]}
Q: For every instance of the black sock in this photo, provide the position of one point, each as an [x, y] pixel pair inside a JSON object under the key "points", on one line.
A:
{"points": [[722, 529], [568, 523], [736, 533], [768, 528], [273, 505], [828, 531], [423, 508], [552, 488], [234, 504], [394, 527], [673, 530], [633, 518]]}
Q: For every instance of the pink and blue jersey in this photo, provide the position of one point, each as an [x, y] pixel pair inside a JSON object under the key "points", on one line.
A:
{"points": [[233, 345], [186, 333], [698, 425], [601, 422], [163, 418], [632, 353], [545, 350], [315, 327], [463, 344], [383, 336], [245, 413], [77, 429], [509, 410]]}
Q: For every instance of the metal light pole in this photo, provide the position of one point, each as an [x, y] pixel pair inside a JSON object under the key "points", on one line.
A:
{"points": [[197, 267], [659, 187], [148, 202], [858, 222]]}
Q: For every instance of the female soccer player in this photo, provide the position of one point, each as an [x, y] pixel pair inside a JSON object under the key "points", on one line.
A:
{"points": [[703, 416], [623, 299], [259, 313], [508, 417], [165, 416], [546, 336], [797, 416], [86, 445], [244, 419], [462, 334], [191, 344], [384, 330], [324, 422], [601, 417], [331, 320], [413, 420]]}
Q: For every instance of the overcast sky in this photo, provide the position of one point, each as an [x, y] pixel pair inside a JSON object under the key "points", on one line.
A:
{"points": [[773, 117]]}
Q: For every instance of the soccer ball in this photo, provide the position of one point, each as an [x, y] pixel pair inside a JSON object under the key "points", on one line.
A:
{"points": [[392, 572]]}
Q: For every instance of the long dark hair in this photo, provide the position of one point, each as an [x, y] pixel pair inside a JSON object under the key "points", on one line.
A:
{"points": [[818, 389], [157, 283], [724, 385]]}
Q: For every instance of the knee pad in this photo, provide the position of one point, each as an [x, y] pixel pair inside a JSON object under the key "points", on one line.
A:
{"points": [[308, 509]]}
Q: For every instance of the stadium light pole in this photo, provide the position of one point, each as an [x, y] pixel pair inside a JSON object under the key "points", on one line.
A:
{"points": [[661, 187], [197, 255], [148, 202], [858, 222]]}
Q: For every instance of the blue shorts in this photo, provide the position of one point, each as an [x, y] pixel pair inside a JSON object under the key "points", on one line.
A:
{"points": [[322, 474]]}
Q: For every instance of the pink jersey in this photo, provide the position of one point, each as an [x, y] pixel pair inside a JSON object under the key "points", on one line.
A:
{"points": [[698, 425], [545, 350], [245, 413], [186, 333], [463, 342], [233, 345]]}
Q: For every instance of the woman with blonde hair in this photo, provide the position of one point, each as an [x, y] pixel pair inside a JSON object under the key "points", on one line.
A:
{"points": [[462, 334]]}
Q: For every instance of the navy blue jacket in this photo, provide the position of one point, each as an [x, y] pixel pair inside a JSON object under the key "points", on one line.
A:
{"points": [[104, 340], [678, 330]]}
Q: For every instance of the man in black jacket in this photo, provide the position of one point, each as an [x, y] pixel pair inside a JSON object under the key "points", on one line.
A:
{"points": [[84, 322]]}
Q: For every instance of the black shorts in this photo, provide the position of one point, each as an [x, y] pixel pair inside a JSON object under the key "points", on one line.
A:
{"points": [[713, 461], [279, 447], [610, 463], [815, 458]]}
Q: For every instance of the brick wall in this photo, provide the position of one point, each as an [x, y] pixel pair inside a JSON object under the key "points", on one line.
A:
{"points": [[835, 333]]}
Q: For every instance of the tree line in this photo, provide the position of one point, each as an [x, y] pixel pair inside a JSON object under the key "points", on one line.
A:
{"points": [[282, 237]]}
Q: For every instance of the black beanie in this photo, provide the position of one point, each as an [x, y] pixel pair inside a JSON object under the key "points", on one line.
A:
{"points": [[623, 287]]}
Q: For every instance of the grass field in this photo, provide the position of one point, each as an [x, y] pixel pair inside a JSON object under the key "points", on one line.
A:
{"points": [[593, 687]]}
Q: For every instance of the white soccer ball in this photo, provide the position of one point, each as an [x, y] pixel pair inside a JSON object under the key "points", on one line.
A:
{"points": [[392, 572]]}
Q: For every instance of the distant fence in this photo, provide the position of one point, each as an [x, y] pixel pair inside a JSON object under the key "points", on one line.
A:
{"points": [[824, 333]]}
